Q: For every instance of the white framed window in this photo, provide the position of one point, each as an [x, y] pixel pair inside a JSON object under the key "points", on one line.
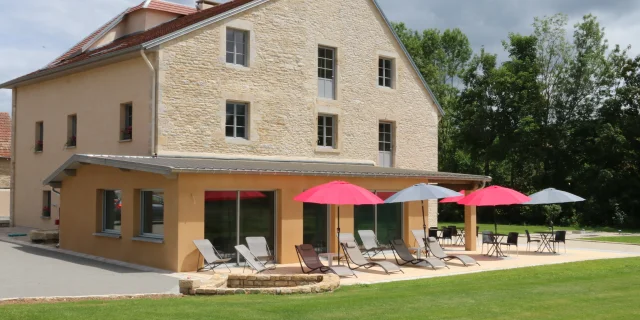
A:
{"points": [[326, 72], [152, 213], [326, 131], [111, 211], [236, 120], [385, 72], [237, 46], [385, 144]]}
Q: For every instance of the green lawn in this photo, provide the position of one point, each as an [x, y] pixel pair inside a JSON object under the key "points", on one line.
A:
{"points": [[504, 228], [626, 239], [605, 289]]}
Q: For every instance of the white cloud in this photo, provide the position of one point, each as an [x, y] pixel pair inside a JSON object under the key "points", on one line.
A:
{"points": [[33, 33]]}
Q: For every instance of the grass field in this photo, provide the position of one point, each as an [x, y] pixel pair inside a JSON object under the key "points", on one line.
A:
{"points": [[606, 289], [503, 228], [625, 239]]}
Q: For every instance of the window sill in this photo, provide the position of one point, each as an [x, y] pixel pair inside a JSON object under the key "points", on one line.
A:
{"points": [[108, 235], [37, 151], [237, 66], [327, 150], [386, 88], [243, 141], [45, 217], [148, 239], [125, 140], [70, 147]]}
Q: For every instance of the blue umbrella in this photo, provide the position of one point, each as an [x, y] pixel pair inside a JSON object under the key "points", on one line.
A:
{"points": [[553, 196], [421, 192]]}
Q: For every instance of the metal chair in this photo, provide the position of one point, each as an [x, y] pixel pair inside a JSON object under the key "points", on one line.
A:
{"points": [[512, 240], [447, 234], [487, 238], [560, 237], [529, 240]]}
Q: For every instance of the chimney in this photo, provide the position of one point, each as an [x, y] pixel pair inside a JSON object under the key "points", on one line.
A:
{"points": [[206, 4]]}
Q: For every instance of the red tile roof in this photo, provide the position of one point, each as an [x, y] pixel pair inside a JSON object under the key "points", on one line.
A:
{"points": [[165, 6], [153, 4], [5, 135]]}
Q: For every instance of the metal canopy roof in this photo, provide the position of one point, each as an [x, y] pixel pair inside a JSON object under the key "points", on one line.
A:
{"points": [[171, 165]]}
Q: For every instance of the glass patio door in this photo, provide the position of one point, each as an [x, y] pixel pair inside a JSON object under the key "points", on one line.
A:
{"points": [[316, 226], [231, 216], [384, 219]]}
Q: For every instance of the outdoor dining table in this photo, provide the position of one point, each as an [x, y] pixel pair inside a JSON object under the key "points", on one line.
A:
{"points": [[545, 241], [460, 235], [495, 248]]}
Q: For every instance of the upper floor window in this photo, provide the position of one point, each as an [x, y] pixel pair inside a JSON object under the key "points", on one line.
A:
{"points": [[126, 122], [39, 136], [385, 69], [72, 130], [111, 211], [152, 213], [237, 45], [385, 144], [46, 203], [326, 131], [326, 72], [236, 122]]}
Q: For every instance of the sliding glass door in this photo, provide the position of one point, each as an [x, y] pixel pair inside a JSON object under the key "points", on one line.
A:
{"points": [[316, 226], [384, 219], [231, 216]]}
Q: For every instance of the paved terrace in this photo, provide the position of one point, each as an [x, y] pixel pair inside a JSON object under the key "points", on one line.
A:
{"points": [[576, 251], [28, 270]]}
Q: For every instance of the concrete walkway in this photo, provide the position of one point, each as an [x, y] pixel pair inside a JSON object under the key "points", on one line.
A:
{"points": [[27, 271]]}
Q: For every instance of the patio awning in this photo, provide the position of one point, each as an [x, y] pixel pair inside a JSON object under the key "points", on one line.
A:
{"points": [[174, 165]]}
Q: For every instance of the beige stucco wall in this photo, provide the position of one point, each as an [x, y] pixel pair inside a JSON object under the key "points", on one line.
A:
{"points": [[184, 212], [281, 86], [5, 202], [95, 96]]}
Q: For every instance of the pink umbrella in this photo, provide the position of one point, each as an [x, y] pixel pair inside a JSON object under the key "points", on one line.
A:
{"points": [[453, 199], [494, 196], [338, 193]]}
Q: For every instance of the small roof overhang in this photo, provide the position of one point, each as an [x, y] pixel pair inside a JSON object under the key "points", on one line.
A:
{"points": [[173, 165]]}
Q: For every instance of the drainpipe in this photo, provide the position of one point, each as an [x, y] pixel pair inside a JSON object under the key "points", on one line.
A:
{"points": [[153, 101], [12, 164]]}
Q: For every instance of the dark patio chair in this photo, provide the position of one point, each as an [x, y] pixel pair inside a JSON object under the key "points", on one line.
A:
{"points": [[512, 240], [433, 233], [447, 234], [531, 239], [560, 237], [307, 254], [487, 239]]}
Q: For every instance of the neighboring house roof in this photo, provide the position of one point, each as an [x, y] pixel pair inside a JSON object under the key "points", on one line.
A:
{"points": [[174, 29], [5, 135], [168, 165], [164, 6]]}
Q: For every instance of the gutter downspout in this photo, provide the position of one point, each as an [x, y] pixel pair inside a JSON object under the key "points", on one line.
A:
{"points": [[12, 164], [153, 101]]}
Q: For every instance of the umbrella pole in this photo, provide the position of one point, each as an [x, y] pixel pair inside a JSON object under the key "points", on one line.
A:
{"points": [[424, 224], [338, 234], [495, 221]]}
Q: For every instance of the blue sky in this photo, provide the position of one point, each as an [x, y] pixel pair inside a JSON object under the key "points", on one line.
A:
{"points": [[33, 33]]}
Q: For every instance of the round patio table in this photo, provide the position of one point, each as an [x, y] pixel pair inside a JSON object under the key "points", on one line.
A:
{"points": [[495, 249], [545, 241]]}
